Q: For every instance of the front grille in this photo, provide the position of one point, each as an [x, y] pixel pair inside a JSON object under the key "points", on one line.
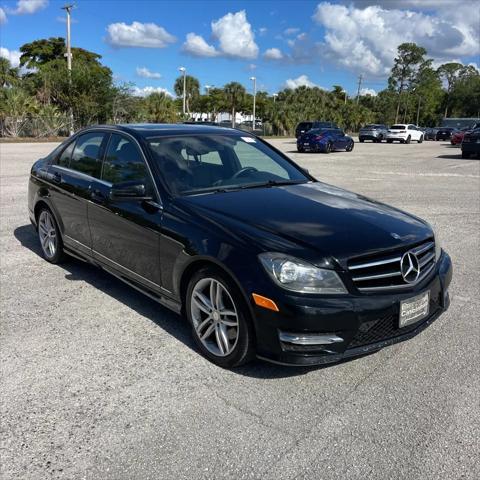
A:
{"points": [[382, 272], [386, 327]]}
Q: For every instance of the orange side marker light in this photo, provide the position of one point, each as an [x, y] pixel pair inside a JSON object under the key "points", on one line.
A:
{"points": [[265, 302]]}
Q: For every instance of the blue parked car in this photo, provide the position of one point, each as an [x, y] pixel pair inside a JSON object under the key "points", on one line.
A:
{"points": [[324, 140]]}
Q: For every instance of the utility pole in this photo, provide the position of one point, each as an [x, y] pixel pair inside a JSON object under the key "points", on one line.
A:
{"points": [[360, 78], [418, 109], [184, 71], [254, 80], [68, 9]]}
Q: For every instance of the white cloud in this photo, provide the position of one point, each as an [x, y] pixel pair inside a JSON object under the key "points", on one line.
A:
{"points": [[301, 81], [12, 55], [368, 91], [251, 66], [273, 54], [291, 31], [144, 72], [25, 7], [366, 39], [148, 35], [195, 45], [262, 30], [3, 16], [235, 35], [145, 91]]}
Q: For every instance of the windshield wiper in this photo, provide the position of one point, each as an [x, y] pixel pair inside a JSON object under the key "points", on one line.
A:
{"points": [[273, 183]]}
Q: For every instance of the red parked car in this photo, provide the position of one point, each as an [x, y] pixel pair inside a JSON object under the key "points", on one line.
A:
{"points": [[457, 136]]}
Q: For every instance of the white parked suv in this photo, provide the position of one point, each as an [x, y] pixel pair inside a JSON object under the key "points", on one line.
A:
{"points": [[404, 133]]}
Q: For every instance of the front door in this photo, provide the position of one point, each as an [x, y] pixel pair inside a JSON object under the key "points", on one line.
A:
{"points": [[125, 233]]}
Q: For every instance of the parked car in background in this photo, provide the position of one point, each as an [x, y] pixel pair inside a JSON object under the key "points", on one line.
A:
{"points": [[471, 143], [325, 140], [304, 127], [445, 133], [404, 133], [430, 134], [457, 136], [374, 132]]}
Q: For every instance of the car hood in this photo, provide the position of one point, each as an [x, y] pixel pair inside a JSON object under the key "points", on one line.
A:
{"points": [[332, 222]]}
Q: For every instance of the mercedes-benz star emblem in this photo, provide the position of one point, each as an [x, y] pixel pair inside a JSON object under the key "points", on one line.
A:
{"points": [[410, 267]]}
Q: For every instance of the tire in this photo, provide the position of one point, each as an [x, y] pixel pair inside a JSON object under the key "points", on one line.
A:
{"points": [[389, 141], [420, 140], [361, 140], [465, 155], [229, 344], [349, 147], [407, 141], [49, 236], [328, 147], [300, 150]]}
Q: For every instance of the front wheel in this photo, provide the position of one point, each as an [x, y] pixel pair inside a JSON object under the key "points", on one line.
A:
{"points": [[328, 147], [300, 150], [49, 236], [420, 140], [361, 140], [408, 139], [349, 147], [220, 320], [389, 141], [465, 155]]}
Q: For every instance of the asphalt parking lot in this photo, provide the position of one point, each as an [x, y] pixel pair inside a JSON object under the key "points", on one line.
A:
{"points": [[99, 382]]}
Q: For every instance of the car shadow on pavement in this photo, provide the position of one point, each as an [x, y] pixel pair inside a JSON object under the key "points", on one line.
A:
{"points": [[173, 324], [458, 156]]}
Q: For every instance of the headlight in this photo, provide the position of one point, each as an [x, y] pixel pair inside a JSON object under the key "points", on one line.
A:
{"points": [[438, 244], [299, 276]]}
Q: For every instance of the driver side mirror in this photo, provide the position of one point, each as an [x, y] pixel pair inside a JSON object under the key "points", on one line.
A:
{"points": [[134, 190]]}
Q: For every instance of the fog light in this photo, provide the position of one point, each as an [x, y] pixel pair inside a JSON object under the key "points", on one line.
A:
{"points": [[309, 338]]}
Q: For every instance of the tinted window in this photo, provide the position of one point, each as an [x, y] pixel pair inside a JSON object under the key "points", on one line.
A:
{"points": [[304, 126], [86, 155], [398, 127], [64, 159], [124, 162]]}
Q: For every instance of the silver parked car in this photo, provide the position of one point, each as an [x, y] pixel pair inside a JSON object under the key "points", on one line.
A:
{"points": [[374, 132]]}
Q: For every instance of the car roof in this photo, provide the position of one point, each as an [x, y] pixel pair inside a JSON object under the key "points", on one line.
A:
{"points": [[168, 129]]}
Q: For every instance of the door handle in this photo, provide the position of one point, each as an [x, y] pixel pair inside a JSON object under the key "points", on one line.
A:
{"points": [[97, 196], [56, 177]]}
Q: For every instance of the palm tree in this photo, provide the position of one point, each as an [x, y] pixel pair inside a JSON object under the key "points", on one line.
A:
{"points": [[159, 108], [8, 74], [234, 97], [192, 90]]}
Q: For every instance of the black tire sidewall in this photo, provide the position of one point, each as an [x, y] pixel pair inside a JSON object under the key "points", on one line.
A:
{"points": [[244, 350]]}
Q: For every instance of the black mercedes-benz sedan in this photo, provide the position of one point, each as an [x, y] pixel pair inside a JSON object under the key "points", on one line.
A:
{"points": [[219, 226]]}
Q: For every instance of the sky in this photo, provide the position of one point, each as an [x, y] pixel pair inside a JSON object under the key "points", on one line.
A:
{"points": [[283, 43]]}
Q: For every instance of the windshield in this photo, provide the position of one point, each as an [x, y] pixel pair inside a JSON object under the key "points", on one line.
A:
{"points": [[304, 126], [204, 163]]}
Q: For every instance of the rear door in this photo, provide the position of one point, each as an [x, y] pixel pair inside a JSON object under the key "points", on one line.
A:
{"points": [[126, 233], [71, 176]]}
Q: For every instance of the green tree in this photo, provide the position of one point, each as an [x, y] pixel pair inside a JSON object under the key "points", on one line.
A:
{"points": [[409, 60], [234, 95], [15, 108], [158, 107], [9, 75], [192, 90]]}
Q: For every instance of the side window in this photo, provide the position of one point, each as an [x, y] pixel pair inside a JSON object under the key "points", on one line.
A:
{"points": [[64, 159], [86, 155], [250, 156], [123, 162]]}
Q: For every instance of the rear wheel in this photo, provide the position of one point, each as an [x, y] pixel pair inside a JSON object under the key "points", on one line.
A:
{"points": [[465, 155], [361, 140], [49, 236], [300, 149], [389, 141], [220, 320]]}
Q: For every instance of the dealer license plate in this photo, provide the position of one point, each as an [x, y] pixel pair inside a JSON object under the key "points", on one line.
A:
{"points": [[414, 309]]}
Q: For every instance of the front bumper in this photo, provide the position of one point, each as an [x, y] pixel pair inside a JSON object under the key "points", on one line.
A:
{"points": [[355, 324]]}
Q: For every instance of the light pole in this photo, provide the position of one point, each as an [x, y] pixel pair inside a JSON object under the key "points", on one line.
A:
{"points": [[345, 99], [275, 95], [254, 80], [68, 9], [184, 71]]}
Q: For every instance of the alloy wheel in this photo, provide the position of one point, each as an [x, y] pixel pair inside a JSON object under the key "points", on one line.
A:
{"points": [[214, 317], [48, 234]]}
